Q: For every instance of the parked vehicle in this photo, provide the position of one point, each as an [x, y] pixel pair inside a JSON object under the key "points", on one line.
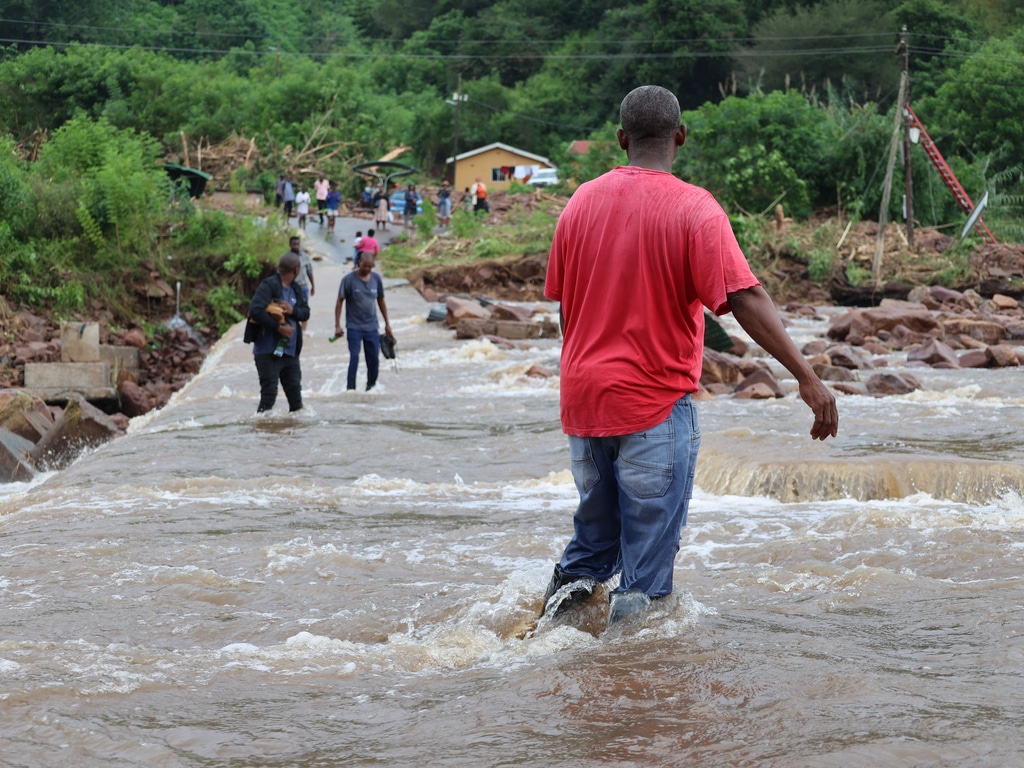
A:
{"points": [[398, 203], [545, 177]]}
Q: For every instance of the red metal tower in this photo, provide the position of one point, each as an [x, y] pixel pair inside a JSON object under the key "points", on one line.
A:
{"points": [[948, 177]]}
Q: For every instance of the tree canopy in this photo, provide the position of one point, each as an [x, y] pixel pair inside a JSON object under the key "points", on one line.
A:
{"points": [[789, 94]]}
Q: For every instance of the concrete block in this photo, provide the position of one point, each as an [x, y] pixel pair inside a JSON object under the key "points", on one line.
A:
{"points": [[54, 381], [15, 465], [120, 359], [79, 342]]}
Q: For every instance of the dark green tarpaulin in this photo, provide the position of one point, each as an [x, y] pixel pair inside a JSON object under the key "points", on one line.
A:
{"points": [[196, 179]]}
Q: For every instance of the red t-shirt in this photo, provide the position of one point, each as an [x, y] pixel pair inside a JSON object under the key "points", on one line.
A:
{"points": [[637, 255]]}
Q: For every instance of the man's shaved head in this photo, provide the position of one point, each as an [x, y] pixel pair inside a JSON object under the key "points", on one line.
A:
{"points": [[289, 263], [649, 112]]}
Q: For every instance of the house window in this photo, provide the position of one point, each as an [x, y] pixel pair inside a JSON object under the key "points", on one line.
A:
{"points": [[498, 174]]}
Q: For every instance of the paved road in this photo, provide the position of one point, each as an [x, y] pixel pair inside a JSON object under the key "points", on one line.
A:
{"points": [[331, 253]]}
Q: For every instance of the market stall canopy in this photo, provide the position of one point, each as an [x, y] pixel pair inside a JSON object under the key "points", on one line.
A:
{"points": [[383, 171]]}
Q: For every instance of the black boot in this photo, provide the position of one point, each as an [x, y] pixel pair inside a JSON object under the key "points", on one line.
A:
{"points": [[625, 604], [579, 589]]}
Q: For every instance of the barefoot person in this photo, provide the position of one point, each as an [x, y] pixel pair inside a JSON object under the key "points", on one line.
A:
{"points": [[661, 250]]}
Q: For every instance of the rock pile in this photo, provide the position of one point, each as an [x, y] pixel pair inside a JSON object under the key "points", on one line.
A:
{"points": [[166, 361], [499, 323], [36, 436], [936, 328]]}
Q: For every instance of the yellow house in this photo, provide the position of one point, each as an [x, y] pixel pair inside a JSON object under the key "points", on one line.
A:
{"points": [[495, 165]]}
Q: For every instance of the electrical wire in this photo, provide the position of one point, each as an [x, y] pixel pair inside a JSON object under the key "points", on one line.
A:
{"points": [[520, 55]]}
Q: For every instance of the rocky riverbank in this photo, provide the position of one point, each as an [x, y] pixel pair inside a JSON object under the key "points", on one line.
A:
{"points": [[980, 324], [167, 360]]}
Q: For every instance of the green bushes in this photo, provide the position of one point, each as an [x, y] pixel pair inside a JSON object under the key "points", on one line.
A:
{"points": [[87, 224], [227, 305], [751, 151]]}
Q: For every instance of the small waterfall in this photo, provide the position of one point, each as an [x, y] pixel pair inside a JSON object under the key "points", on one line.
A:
{"points": [[178, 322], [884, 476]]}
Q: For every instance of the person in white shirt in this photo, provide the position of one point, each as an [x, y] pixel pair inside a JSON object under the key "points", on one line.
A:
{"points": [[302, 206]]}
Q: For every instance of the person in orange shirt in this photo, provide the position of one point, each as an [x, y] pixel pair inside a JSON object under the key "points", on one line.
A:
{"points": [[480, 197]]}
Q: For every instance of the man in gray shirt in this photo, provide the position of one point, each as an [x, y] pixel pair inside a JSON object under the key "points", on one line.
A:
{"points": [[304, 281], [363, 289]]}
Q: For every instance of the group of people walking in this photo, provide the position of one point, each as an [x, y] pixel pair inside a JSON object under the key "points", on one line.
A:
{"points": [[295, 199], [279, 312]]}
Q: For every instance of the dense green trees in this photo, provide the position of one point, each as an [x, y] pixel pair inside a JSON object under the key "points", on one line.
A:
{"points": [[980, 105], [783, 97]]}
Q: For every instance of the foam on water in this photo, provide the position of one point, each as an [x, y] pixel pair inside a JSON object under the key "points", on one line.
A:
{"points": [[492, 631], [474, 352], [13, 494]]}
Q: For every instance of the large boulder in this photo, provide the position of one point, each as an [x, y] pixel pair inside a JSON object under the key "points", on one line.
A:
{"points": [[133, 398], [1003, 302], [981, 330], [882, 384], [763, 380], [974, 358], [1014, 330], [827, 372], [869, 322], [935, 354], [1002, 356], [758, 391], [845, 356], [719, 368]]}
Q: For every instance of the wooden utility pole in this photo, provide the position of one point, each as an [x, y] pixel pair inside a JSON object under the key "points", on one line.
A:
{"points": [[907, 166], [883, 214]]}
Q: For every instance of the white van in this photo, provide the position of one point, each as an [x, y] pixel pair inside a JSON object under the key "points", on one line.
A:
{"points": [[545, 177]]}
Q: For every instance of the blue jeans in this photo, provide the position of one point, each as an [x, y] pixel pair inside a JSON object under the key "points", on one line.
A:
{"points": [[634, 494], [370, 341]]}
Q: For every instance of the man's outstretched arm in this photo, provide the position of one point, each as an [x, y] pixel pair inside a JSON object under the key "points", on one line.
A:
{"points": [[756, 314]]}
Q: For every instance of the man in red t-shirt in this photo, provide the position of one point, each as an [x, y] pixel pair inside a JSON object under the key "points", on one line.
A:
{"points": [[637, 255]]}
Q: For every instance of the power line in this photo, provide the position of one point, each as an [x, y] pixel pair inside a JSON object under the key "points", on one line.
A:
{"points": [[430, 41], [459, 56], [490, 41]]}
